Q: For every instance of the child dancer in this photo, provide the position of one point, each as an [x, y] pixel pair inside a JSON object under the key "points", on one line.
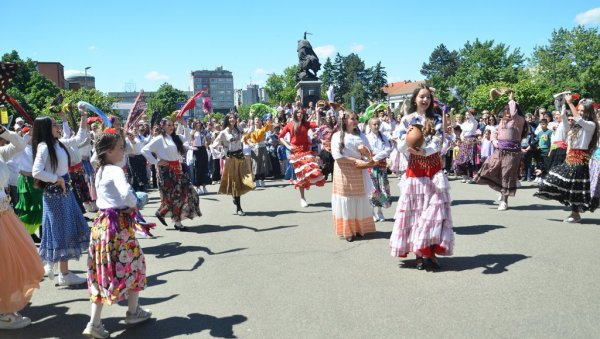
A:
{"points": [[116, 264], [381, 147]]}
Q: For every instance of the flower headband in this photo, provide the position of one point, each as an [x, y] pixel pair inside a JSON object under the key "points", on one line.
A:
{"points": [[110, 130]]}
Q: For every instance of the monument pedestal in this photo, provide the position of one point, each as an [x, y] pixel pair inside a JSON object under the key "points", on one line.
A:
{"points": [[309, 90]]}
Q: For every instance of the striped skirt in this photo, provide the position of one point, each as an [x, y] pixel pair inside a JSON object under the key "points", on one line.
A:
{"points": [[423, 218], [569, 183], [306, 170], [352, 213], [65, 232]]}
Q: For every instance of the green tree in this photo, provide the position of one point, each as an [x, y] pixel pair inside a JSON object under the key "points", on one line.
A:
{"points": [[282, 88], [376, 77], [529, 93], [441, 67], [327, 77], [166, 100], [93, 96]]}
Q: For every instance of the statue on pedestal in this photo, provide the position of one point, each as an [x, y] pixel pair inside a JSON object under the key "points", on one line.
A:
{"points": [[308, 62]]}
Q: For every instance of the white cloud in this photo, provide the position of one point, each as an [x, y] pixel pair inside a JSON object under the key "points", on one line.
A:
{"points": [[324, 52], [259, 72], [154, 75], [356, 47], [589, 17], [92, 48]]}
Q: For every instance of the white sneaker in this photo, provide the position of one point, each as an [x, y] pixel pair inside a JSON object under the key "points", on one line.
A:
{"points": [[70, 279], [503, 206], [380, 216], [49, 271], [138, 316], [13, 321], [303, 203], [375, 218], [204, 190], [464, 179], [95, 331]]}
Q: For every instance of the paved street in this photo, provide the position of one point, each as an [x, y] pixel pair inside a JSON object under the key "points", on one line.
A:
{"points": [[280, 272]]}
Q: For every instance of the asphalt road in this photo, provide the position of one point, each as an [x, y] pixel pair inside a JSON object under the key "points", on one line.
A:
{"points": [[281, 272]]}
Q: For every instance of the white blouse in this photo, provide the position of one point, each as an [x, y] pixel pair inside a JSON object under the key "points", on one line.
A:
{"points": [[164, 147], [113, 190], [6, 152], [42, 168], [381, 148], [584, 135], [232, 142], [351, 144]]}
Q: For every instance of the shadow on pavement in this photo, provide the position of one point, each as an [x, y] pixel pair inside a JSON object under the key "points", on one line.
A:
{"points": [[152, 280], [216, 228], [377, 235], [536, 207], [491, 263], [476, 229], [172, 249], [49, 321], [472, 202], [150, 301], [193, 324]]}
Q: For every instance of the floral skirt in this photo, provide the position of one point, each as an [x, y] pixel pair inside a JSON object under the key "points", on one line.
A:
{"points": [[29, 207], [178, 198], [65, 234], [116, 263], [21, 269], [423, 218], [467, 152], [306, 170], [80, 183], [380, 194], [569, 184]]}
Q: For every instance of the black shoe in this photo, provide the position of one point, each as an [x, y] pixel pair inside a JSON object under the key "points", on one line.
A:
{"points": [[420, 265], [160, 218], [351, 239], [181, 228], [36, 239]]}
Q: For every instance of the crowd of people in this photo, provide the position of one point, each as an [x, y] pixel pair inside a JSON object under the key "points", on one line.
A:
{"points": [[53, 173]]}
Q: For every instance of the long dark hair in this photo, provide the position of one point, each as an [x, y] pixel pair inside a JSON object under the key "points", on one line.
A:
{"points": [[589, 115], [42, 132], [226, 123], [298, 122], [429, 126], [174, 136], [106, 142], [344, 128]]}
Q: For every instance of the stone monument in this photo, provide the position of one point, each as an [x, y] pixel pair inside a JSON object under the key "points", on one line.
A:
{"points": [[308, 84]]}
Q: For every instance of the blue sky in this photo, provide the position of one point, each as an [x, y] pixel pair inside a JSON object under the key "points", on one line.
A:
{"points": [[149, 43]]}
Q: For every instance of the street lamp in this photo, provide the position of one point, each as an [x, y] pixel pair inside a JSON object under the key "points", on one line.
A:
{"points": [[86, 82]]}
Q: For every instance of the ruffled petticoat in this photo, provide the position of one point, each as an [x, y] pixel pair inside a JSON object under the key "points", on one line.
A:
{"points": [[423, 218], [307, 171]]}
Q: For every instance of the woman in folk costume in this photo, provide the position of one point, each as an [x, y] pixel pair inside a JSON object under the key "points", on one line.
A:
{"points": [[236, 168], [501, 170], [324, 133], [178, 198], [569, 183], [20, 264], [352, 213], [199, 139], [29, 207], [255, 138], [116, 265], [306, 170], [558, 147], [65, 231], [467, 149], [381, 148], [423, 222]]}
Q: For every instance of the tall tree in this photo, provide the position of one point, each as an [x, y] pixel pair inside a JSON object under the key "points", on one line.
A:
{"points": [[441, 66], [282, 88], [376, 77], [166, 100]]}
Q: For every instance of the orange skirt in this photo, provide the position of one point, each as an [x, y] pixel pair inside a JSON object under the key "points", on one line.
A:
{"points": [[20, 265]]}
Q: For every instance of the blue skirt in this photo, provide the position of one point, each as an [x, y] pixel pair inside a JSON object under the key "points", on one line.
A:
{"points": [[65, 234]]}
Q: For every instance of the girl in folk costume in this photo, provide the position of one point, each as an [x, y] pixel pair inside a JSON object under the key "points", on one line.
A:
{"points": [[352, 213], [306, 170], [569, 183], [381, 148], [501, 169], [20, 264], [558, 147], [177, 195], [29, 207], [116, 264], [423, 219], [324, 134], [65, 231], [236, 168], [467, 149], [199, 140], [255, 138]]}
